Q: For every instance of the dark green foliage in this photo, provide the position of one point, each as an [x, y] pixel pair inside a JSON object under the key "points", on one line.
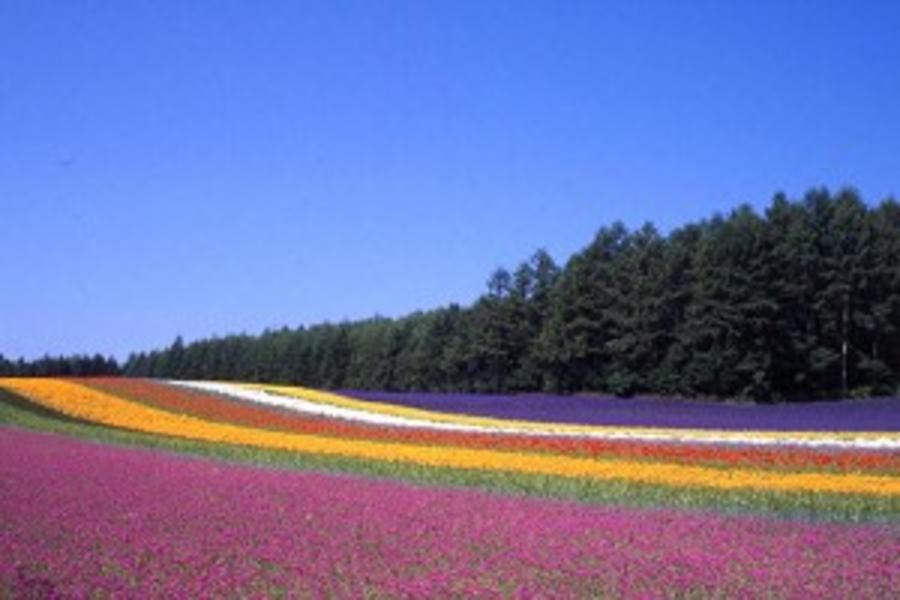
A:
{"points": [[801, 302], [727, 323], [77, 365]]}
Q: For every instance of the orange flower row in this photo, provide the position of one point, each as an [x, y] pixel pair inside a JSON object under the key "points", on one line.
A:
{"points": [[216, 408]]}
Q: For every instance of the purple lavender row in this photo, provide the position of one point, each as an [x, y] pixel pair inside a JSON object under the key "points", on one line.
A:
{"points": [[80, 519], [879, 414]]}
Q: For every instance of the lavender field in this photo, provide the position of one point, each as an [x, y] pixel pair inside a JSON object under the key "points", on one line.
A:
{"points": [[873, 414]]}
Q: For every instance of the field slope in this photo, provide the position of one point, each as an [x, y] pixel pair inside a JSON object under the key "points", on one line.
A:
{"points": [[395, 496]]}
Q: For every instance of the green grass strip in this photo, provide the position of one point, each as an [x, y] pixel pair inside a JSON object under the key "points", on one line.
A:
{"points": [[18, 412]]}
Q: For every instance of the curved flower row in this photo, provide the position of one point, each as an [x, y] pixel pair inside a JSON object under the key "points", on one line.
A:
{"points": [[337, 406], [89, 404], [218, 407]]}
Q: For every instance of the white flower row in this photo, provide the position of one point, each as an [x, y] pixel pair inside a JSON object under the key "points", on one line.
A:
{"points": [[323, 409], [314, 408]]}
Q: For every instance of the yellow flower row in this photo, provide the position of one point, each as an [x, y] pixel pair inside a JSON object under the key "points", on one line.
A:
{"points": [[89, 404], [685, 434]]}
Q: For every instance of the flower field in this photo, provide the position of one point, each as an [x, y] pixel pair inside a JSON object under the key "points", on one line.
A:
{"points": [[378, 495]]}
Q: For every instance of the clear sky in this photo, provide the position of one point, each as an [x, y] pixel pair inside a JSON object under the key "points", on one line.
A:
{"points": [[201, 167]]}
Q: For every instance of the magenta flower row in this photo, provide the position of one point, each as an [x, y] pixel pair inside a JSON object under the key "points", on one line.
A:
{"points": [[80, 519]]}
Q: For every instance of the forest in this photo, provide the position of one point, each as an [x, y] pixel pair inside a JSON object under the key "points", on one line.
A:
{"points": [[801, 302]]}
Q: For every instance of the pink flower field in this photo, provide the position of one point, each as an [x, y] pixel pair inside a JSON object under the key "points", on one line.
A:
{"points": [[80, 519]]}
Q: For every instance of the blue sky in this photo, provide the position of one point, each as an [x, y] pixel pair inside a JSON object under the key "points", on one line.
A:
{"points": [[212, 167]]}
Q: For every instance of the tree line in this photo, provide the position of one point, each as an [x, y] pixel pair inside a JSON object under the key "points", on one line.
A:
{"points": [[77, 365], [797, 303]]}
